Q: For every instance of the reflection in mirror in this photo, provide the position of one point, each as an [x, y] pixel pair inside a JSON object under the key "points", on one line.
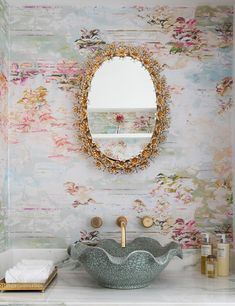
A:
{"points": [[121, 108], [122, 111]]}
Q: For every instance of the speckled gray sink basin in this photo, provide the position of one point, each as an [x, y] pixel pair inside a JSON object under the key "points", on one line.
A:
{"points": [[134, 266]]}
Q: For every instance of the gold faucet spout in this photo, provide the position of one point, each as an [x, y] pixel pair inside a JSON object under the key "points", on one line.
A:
{"points": [[122, 222], [123, 231]]}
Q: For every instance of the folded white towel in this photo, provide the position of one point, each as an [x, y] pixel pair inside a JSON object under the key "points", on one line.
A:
{"points": [[21, 265], [25, 276], [37, 262], [29, 273]]}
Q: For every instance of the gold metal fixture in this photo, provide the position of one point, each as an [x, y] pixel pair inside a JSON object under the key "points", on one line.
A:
{"points": [[147, 221], [96, 222], [141, 161], [122, 222]]}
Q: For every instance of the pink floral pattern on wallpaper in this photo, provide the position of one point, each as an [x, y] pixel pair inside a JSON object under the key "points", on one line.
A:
{"points": [[62, 145], [186, 233], [68, 68], [224, 90], [37, 113], [90, 40], [217, 205], [81, 194], [21, 73], [187, 37], [65, 73], [212, 202], [225, 229], [180, 188], [182, 203], [37, 116], [161, 16], [89, 237], [139, 206], [225, 106], [224, 86], [225, 33]]}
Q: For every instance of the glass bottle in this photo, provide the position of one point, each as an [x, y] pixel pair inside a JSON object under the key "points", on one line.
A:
{"points": [[211, 266], [206, 249]]}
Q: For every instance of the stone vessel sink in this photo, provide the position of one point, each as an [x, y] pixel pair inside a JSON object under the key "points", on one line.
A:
{"points": [[134, 266]]}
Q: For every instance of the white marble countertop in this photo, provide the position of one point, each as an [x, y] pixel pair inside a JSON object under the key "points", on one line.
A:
{"points": [[172, 287]]}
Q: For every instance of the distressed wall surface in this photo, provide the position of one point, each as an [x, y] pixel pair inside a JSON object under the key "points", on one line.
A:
{"points": [[3, 119], [54, 188]]}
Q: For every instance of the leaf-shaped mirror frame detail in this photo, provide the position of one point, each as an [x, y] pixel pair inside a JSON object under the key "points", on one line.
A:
{"points": [[140, 161]]}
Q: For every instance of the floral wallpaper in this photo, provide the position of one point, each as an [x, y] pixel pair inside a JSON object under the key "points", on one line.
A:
{"points": [[54, 187], [3, 119]]}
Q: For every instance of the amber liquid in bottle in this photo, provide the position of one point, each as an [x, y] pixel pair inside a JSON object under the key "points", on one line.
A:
{"points": [[206, 249], [211, 266], [203, 264]]}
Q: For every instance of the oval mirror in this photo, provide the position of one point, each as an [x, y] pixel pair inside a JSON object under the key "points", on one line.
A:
{"points": [[122, 112], [121, 108]]}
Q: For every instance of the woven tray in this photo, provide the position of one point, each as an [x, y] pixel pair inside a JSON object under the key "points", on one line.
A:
{"points": [[27, 286]]}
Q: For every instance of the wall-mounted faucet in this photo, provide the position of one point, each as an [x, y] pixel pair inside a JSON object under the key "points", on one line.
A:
{"points": [[122, 222]]}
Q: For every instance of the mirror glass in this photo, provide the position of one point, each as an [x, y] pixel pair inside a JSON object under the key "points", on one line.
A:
{"points": [[121, 107]]}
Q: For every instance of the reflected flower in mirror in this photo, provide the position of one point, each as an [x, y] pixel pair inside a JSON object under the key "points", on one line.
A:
{"points": [[119, 120], [144, 123]]}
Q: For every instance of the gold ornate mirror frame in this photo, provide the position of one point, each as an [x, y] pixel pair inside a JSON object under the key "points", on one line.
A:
{"points": [[141, 160]]}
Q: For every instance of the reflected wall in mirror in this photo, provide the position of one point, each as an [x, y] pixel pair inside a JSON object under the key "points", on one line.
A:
{"points": [[122, 111], [121, 108]]}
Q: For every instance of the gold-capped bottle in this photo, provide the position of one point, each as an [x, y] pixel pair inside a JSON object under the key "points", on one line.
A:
{"points": [[206, 250], [211, 266]]}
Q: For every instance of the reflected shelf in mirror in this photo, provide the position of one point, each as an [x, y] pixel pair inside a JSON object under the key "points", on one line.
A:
{"points": [[91, 109], [124, 136]]}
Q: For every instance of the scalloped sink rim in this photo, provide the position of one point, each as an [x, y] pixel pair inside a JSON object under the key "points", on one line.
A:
{"points": [[134, 266]]}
